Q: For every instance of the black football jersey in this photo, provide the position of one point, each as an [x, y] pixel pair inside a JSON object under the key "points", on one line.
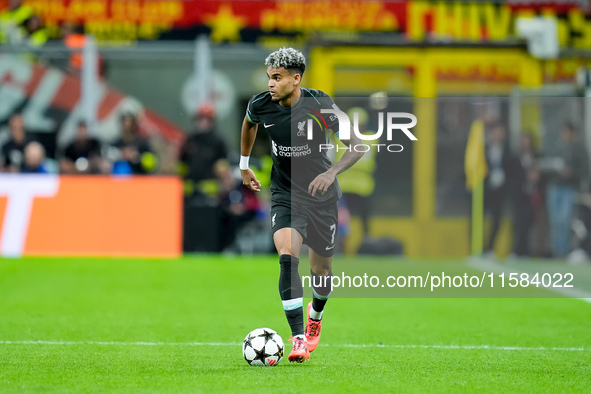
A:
{"points": [[297, 160]]}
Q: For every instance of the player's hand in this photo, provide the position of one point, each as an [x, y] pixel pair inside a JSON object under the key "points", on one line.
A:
{"points": [[321, 183], [250, 180]]}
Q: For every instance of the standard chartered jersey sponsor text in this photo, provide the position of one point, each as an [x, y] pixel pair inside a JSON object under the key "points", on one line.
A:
{"points": [[291, 151]]}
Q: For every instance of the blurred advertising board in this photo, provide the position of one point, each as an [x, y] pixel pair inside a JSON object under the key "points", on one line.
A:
{"points": [[299, 20], [46, 215]]}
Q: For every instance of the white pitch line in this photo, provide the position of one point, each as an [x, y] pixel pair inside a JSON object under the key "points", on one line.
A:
{"points": [[443, 347], [467, 347], [114, 343]]}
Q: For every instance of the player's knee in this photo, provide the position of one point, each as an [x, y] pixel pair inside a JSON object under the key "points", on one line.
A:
{"points": [[321, 271], [287, 242], [319, 265], [288, 248], [284, 249]]}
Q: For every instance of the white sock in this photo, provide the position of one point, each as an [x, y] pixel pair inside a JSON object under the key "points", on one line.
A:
{"points": [[315, 315], [301, 336]]}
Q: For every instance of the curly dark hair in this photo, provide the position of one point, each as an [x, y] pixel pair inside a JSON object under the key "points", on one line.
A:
{"points": [[289, 58]]}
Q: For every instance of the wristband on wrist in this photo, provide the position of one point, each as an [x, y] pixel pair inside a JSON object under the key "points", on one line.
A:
{"points": [[244, 162]]}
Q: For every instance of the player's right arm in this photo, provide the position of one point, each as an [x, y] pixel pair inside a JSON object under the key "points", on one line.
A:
{"points": [[247, 137]]}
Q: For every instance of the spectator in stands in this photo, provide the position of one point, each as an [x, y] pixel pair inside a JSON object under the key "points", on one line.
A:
{"points": [[568, 171], [496, 184], [239, 204], [12, 21], [202, 151], [34, 159], [13, 150], [136, 153], [83, 155], [528, 197], [36, 34], [74, 39]]}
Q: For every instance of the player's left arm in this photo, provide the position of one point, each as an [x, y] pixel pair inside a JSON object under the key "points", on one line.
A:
{"points": [[323, 181]]}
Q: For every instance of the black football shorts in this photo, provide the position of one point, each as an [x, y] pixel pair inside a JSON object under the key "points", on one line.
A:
{"points": [[317, 224]]}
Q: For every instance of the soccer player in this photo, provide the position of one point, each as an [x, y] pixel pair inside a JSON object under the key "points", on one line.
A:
{"points": [[304, 190]]}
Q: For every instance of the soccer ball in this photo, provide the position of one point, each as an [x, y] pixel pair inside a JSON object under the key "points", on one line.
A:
{"points": [[263, 346]]}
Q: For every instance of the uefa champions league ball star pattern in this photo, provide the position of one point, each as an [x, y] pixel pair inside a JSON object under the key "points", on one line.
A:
{"points": [[263, 347]]}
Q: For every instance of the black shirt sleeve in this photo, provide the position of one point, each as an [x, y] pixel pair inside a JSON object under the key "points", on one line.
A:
{"points": [[332, 120], [251, 109]]}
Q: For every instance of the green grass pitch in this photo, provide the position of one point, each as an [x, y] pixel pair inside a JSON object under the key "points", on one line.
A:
{"points": [[124, 325]]}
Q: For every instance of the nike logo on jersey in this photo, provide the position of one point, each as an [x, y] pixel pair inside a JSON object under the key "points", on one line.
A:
{"points": [[273, 220], [268, 125], [329, 247]]}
